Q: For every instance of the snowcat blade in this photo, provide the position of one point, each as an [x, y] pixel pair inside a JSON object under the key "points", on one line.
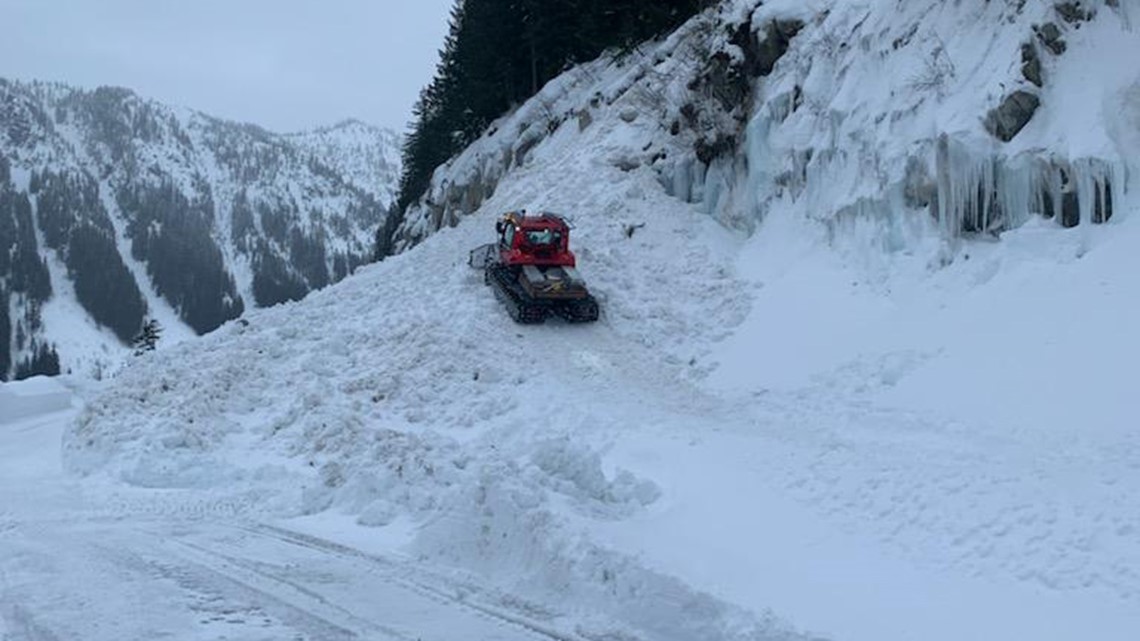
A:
{"points": [[481, 256]]}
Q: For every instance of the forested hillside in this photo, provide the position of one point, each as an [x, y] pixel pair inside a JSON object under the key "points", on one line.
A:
{"points": [[500, 53]]}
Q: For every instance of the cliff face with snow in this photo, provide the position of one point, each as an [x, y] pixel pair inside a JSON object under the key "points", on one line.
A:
{"points": [[919, 119], [972, 116], [114, 209]]}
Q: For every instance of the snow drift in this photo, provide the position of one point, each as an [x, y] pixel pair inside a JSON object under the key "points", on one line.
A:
{"points": [[39, 395]]}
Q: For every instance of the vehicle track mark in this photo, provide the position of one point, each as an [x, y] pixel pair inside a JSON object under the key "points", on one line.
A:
{"points": [[443, 590], [225, 601]]}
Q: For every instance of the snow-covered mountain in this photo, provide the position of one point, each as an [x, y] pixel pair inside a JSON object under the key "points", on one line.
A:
{"points": [[363, 155], [865, 368], [116, 208]]}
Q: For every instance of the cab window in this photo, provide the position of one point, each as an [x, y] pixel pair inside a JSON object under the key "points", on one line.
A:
{"points": [[542, 237]]}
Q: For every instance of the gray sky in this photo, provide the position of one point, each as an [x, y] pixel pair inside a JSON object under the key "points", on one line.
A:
{"points": [[283, 64]]}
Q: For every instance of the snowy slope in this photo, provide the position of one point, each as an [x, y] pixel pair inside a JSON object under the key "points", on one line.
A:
{"points": [[366, 156], [860, 421]]}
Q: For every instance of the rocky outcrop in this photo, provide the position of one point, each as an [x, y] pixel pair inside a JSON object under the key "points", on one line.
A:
{"points": [[1010, 117], [1031, 64], [1074, 11], [729, 78], [1049, 34], [773, 44]]}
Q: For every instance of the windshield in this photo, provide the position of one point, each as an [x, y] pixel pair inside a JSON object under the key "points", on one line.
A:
{"points": [[543, 237]]}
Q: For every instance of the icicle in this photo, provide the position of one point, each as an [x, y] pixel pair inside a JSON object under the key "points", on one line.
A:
{"points": [[1101, 206], [760, 162], [1085, 183], [966, 188], [1095, 188], [718, 194], [682, 180], [1120, 187], [989, 193], [1046, 191], [942, 178], [1018, 188]]}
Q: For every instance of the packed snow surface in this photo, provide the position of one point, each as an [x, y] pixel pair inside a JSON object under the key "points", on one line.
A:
{"points": [[802, 433]]}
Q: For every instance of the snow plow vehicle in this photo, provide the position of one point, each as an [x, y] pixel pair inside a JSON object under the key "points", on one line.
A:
{"points": [[532, 270]]}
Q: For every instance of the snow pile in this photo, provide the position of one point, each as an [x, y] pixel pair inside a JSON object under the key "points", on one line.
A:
{"points": [[576, 472], [401, 391], [501, 526], [31, 397]]}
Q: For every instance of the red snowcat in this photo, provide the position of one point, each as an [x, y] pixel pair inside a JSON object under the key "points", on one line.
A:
{"points": [[532, 270]]}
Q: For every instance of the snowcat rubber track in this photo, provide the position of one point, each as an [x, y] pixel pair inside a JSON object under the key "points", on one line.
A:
{"points": [[582, 310], [521, 307]]}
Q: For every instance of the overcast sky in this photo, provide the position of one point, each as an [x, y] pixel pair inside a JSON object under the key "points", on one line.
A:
{"points": [[284, 64]]}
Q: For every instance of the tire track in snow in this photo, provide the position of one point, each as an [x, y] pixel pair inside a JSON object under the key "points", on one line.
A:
{"points": [[252, 573], [228, 593], [210, 579], [442, 590]]}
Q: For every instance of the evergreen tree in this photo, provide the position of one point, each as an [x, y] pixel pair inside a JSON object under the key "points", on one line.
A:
{"points": [[5, 336], [172, 233], [429, 143], [7, 232], [307, 255], [43, 361], [103, 284], [24, 275], [147, 339], [30, 274], [242, 227], [273, 281]]}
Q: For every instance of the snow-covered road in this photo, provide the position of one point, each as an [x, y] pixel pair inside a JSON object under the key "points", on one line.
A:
{"points": [[92, 562]]}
